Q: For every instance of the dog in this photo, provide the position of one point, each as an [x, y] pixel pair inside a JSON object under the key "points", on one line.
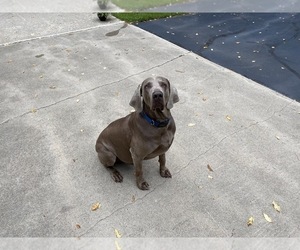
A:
{"points": [[144, 134]]}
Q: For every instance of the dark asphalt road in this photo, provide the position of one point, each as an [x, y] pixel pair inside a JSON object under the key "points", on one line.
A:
{"points": [[264, 47]]}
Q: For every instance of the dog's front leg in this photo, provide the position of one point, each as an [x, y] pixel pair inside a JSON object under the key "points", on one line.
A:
{"points": [[137, 162], [164, 171]]}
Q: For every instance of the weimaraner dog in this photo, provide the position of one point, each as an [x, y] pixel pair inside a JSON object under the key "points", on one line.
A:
{"points": [[144, 134]]}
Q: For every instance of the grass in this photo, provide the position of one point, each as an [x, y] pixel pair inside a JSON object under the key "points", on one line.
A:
{"points": [[143, 16], [136, 5]]}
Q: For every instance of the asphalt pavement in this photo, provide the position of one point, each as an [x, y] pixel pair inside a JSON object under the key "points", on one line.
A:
{"points": [[261, 46], [235, 152]]}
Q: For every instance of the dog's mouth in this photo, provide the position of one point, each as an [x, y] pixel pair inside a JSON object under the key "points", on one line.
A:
{"points": [[158, 106]]}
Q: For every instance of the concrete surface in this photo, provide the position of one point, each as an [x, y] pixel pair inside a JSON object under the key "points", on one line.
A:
{"points": [[55, 6], [59, 91]]}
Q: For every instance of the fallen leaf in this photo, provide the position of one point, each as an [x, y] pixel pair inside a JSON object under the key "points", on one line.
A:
{"points": [[81, 130], [277, 137], [133, 198], [77, 100], [117, 233], [52, 87], [250, 221], [117, 245], [78, 226], [38, 56], [95, 206], [191, 124], [210, 177], [204, 99], [267, 218], [228, 117], [179, 71], [33, 111], [276, 206], [209, 168]]}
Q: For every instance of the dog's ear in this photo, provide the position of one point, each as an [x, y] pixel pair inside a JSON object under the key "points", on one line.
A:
{"points": [[173, 97], [137, 100]]}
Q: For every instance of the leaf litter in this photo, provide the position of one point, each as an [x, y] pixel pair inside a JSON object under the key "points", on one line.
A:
{"points": [[250, 221], [117, 233], [209, 168], [267, 218], [95, 206], [276, 206]]}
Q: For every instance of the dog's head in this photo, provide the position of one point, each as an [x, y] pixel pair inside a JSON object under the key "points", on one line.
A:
{"points": [[157, 93]]}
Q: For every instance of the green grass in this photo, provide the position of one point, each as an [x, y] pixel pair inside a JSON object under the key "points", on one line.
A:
{"points": [[143, 16], [136, 5]]}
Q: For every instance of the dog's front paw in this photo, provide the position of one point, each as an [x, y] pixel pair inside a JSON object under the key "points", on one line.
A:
{"points": [[117, 177], [165, 173], [143, 185]]}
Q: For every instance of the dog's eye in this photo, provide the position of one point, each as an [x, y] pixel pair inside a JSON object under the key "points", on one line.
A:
{"points": [[163, 85]]}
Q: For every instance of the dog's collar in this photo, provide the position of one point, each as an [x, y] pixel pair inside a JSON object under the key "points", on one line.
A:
{"points": [[158, 124]]}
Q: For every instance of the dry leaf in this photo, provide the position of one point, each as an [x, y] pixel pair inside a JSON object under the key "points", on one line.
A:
{"points": [[117, 233], [204, 99], [277, 137], [191, 124], [276, 206], [133, 198], [95, 206], [33, 111], [228, 117], [209, 168], [77, 100], [179, 71], [267, 218], [210, 177], [117, 245], [250, 221], [78, 226], [52, 87]]}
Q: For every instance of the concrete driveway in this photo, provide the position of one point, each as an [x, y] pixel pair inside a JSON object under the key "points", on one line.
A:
{"points": [[236, 148]]}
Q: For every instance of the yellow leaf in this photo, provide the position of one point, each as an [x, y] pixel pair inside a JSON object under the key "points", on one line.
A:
{"points": [[117, 233], [117, 245], [228, 117], [267, 218], [95, 206], [276, 206], [250, 221]]}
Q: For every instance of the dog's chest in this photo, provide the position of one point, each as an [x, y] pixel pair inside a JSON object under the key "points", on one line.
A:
{"points": [[162, 144]]}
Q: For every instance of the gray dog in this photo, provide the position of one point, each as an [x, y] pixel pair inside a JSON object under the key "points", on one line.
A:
{"points": [[144, 134]]}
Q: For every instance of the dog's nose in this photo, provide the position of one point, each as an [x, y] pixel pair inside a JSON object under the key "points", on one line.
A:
{"points": [[157, 95]]}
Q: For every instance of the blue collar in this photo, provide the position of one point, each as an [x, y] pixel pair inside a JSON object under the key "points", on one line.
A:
{"points": [[154, 123]]}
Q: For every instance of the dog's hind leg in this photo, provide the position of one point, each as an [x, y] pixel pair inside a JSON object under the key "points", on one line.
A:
{"points": [[108, 159]]}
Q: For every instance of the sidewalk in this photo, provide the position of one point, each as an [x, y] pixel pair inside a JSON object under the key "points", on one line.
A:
{"points": [[61, 86]]}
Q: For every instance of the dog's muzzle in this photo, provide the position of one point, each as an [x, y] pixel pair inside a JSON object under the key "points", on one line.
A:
{"points": [[158, 100]]}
